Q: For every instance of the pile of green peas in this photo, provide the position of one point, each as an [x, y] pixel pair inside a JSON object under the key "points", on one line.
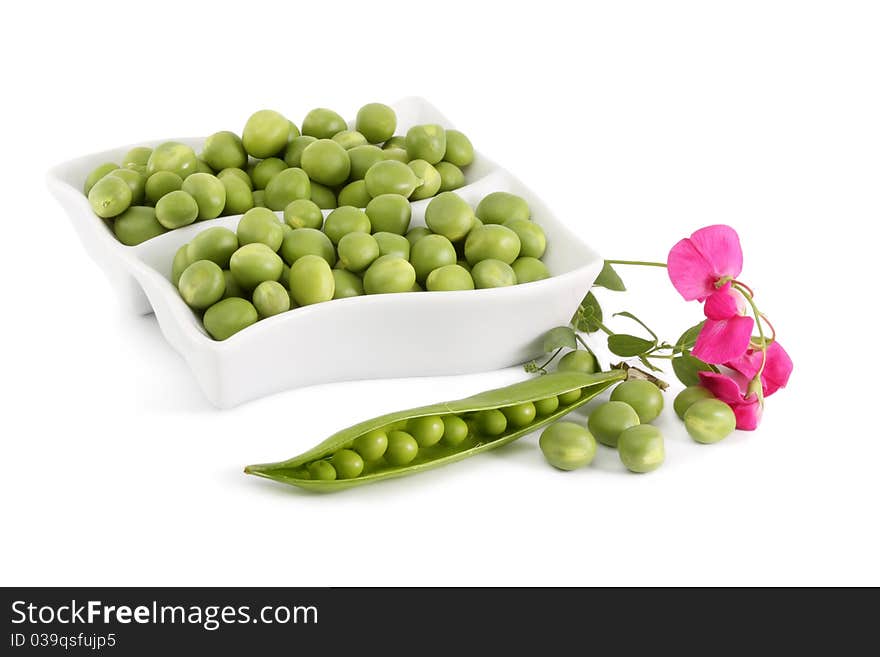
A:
{"points": [[273, 162], [272, 264]]}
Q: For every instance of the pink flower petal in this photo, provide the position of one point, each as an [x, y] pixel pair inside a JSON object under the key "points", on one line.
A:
{"points": [[720, 246], [724, 303], [776, 371], [722, 386], [748, 415], [721, 341], [689, 271]]}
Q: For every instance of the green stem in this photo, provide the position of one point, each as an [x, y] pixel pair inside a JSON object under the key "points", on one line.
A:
{"points": [[748, 297], [641, 263]]}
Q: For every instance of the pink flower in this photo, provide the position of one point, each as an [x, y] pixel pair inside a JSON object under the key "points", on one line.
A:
{"points": [[732, 391], [726, 334], [776, 370], [697, 263]]}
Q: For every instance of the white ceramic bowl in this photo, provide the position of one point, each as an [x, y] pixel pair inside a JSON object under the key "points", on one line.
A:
{"points": [[390, 335]]}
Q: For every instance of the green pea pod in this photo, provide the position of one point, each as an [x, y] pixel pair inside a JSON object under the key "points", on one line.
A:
{"points": [[295, 471]]}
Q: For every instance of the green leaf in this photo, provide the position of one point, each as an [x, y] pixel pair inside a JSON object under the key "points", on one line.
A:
{"points": [[686, 368], [636, 319], [629, 345], [561, 336], [589, 315], [689, 338], [609, 279]]}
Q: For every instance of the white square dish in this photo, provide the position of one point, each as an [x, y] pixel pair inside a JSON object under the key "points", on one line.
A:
{"points": [[379, 336]]}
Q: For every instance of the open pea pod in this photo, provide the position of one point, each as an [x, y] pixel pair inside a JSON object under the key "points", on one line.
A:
{"points": [[561, 385]]}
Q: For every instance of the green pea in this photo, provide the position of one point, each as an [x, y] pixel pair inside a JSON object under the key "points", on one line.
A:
{"points": [[459, 150], [97, 173], [426, 142], [346, 219], [311, 280], [500, 207], [430, 253], [391, 177], [520, 415], [426, 430], [307, 241], [260, 225], [254, 263], [491, 241], [137, 224], [362, 158], [417, 233], [346, 284], [451, 176], [270, 298], [354, 194], [567, 446], [177, 209], [687, 397], [709, 420], [389, 213], [322, 471], [546, 406], [389, 274], [259, 198], [492, 273], [357, 251], [641, 448], [208, 192], [239, 197], [529, 270], [464, 265], [203, 167], [429, 177], [293, 133], [239, 173], [455, 430], [579, 360], [265, 170], [160, 184], [233, 289], [174, 157], [402, 448], [323, 123], [202, 284], [216, 244], [491, 422], [110, 196], [396, 154], [531, 237], [392, 244], [224, 150], [326, 162], [137, 157], [348, 139], [371, 446], [377, 122], [293, 154], [265, 133], [323, 196], [229, 316], [303, 213], [286, 186], [448, 278], [608, 420], [136, 183], [645, 398], [450, 215], [397, 141], [180, 262]]}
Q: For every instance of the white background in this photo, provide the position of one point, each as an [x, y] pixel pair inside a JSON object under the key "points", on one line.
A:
{"points": [[638, 122]]}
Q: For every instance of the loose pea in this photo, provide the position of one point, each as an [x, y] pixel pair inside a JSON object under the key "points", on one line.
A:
{"points": [[610, 419], [180, 262], [641, 448], [209, 193], [216, 244], [160, 184], [287, 186], [265, 170], [392, 244], [136, 183], [391, 177], [430, 253], [362, 158], [689, 396], [529, 270], [311, 280], [322, 471], [579, 360], [348, 463], [490, 422], [203, 167], [426, 430], [202, 284], [176, 209], [390, 213], [229, 316], [239, 197], [260, 225], [531, 237], [645, 398], [136, 225], [357, 251], [567, 446], [265, 133], [459, 150], [402, 448], [270, 298], [293, 154], [111, 196], [326, 162], [455, 430], [259, 198], [417, 233], [389, 274], [303, 213], [429, 177], [348, 139], [376, 122], [224, 150], [346, 284], [450, 215], [254, 263], [137, 157], [500, 207], [491, 241], [397, 141], [520, 415], [175, 157], [426, 142], [492, 273], [323, 196], [346, 219], [354, 194], [448, 278], [371, 446], [307, 241], [396, 154], [451, 176], [322, 123], [233, 289], [97, 173], [709, 420], [293, 133], [238, 173], [546, 406]]}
